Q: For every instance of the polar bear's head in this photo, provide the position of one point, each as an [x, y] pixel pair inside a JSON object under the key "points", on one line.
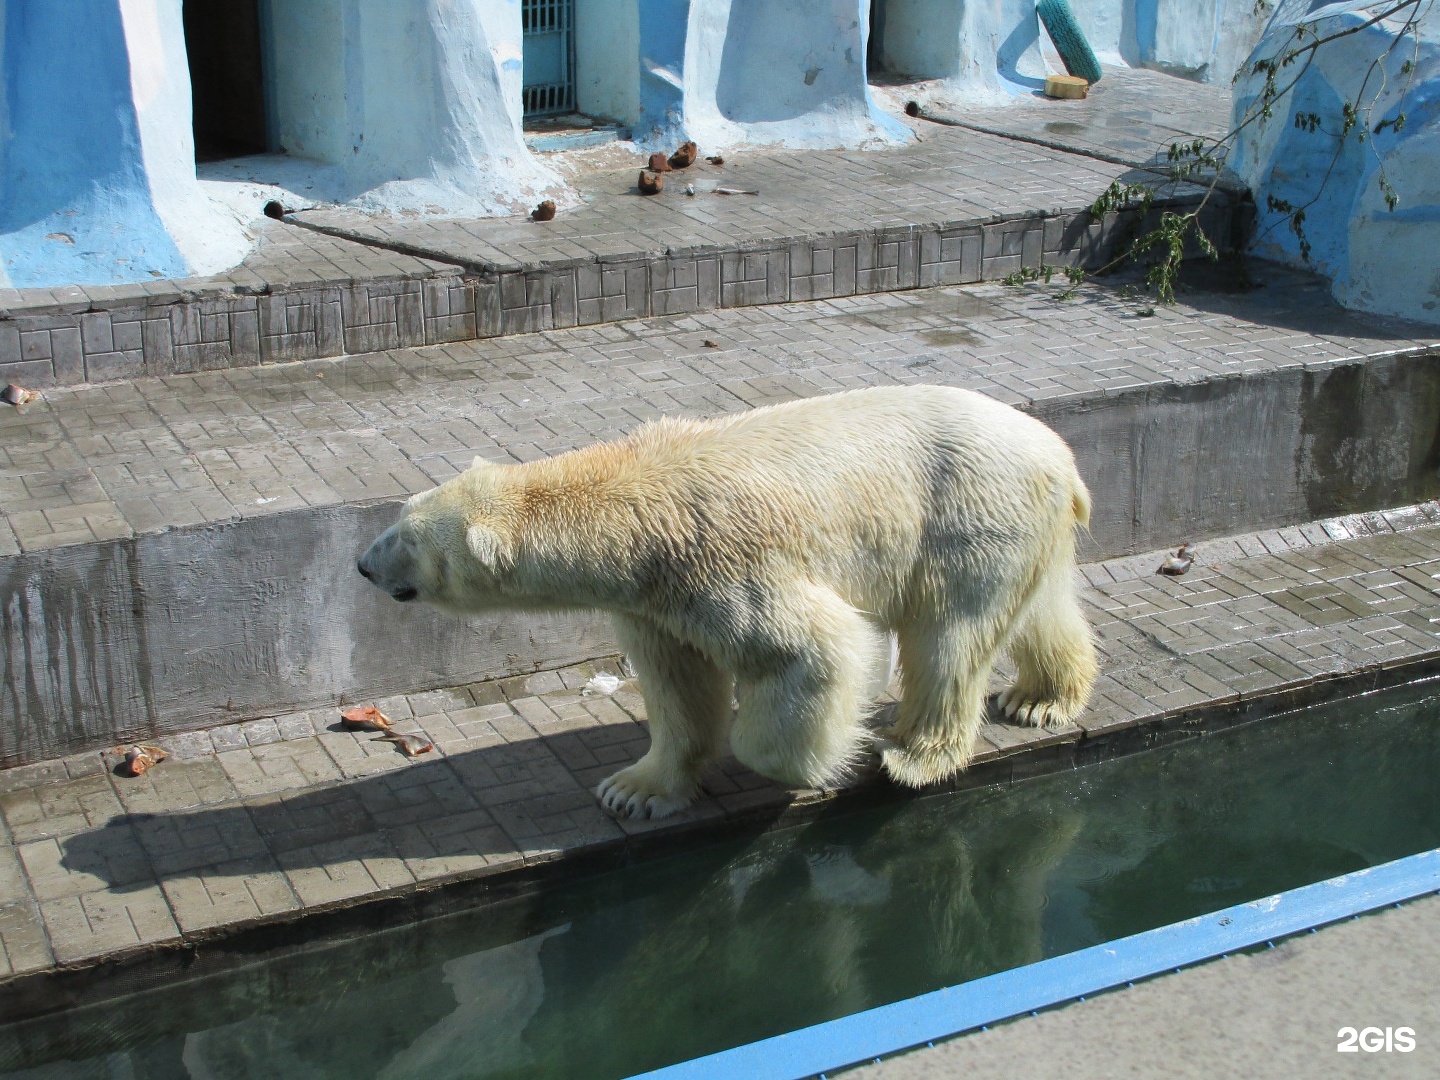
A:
{"points": [[448, 547]]}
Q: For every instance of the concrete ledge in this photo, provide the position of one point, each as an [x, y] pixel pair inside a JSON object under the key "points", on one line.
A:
{"points": [[95, 340]]}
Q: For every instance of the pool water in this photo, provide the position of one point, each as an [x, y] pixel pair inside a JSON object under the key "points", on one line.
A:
{"points": [[695, 953]]}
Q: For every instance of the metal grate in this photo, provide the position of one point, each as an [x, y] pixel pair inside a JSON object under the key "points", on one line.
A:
{"points": [[548, 81]]}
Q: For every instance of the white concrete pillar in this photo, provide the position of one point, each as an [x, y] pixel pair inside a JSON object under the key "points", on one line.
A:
{"points": [[415, 103]]}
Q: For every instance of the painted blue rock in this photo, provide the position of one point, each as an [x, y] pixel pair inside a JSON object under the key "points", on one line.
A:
{"points": [[1378, 259]]}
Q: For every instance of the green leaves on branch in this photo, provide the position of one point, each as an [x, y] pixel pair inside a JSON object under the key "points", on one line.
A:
{"points": [[1044, 272]]}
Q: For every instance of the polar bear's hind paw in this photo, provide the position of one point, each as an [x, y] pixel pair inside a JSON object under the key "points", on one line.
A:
{"points": [[633, 793], [1023, 707], [920, 765]]}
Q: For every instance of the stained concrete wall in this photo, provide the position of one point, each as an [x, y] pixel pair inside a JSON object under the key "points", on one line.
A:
{"points": [[195, 627]]}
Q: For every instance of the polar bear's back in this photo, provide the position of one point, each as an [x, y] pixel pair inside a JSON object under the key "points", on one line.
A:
{"points": [[890, 445], [865, 486]]}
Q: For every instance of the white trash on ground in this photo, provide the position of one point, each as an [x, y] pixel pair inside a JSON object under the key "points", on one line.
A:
{"points": [[604, 683]]}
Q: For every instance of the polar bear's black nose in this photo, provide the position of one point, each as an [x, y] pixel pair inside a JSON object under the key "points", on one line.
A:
{"points": [[363, 572]]}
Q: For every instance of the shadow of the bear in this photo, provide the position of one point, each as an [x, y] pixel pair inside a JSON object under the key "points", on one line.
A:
{"points": [[442, 814]]}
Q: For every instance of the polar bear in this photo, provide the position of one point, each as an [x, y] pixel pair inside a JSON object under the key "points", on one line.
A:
{"points": [[772, 553]]}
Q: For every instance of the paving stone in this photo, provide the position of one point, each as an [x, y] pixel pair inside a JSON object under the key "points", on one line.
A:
{"points": [[305, 818], [458, 843], [344, 869], [178, 844], [549, 824], [106, 858], [294, 763], [176, 785], [511, 772], [426, 792], [60, 808], [366, 754], [229, 894], [100, 923], [23, 944]]}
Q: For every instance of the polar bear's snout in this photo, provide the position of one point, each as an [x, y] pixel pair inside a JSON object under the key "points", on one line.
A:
{"points": [[386, 565]]}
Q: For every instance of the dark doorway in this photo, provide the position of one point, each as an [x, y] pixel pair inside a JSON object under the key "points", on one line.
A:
{"points": [[875, 44], [222, 38]]}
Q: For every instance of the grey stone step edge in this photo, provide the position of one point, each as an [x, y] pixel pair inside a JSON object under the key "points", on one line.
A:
{"points": [[219, 949], [93, 335]]}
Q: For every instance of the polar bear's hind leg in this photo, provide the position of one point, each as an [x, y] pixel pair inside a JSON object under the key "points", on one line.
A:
{"points": [[946, 665], [687, 699], [1054, 654]]}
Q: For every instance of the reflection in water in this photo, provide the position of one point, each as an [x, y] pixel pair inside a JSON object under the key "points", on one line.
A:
{"points": [[684, 956], [496, 991]]}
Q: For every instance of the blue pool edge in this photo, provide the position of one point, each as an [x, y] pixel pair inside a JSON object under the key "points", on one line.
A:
{"points": [[954, 1010]]}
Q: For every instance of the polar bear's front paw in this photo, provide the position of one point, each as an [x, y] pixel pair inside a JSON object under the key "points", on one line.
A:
{"points": [[634, 793], [1022, 706]]}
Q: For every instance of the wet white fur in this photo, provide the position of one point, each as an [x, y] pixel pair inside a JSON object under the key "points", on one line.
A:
{"points": [[773, 553]]}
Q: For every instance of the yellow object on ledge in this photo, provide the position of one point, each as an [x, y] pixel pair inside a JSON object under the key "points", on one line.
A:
{"points": [[1065, 86]]}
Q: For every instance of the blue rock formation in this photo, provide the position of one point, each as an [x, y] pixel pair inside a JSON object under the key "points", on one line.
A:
{"points": [[1378, 258]]}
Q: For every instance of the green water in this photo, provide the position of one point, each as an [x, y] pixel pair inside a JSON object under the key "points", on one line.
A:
{"points": [[720, 946]]}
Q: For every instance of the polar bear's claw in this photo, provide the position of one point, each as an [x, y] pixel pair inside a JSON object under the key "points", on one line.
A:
{"points": [[631, 793], [1020, 708]]}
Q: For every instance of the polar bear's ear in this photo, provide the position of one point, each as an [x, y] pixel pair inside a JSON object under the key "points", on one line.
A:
{"points": [[485, 545], [478, 462]]}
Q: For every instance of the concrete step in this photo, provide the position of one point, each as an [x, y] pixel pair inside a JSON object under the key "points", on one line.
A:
{"points": [[279, 831], [959, 206], [179, 553]]}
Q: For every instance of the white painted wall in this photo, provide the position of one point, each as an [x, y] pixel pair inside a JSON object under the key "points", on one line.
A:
{"points": [[763, 73], [210, 237], [921, 38], [607, 59], [97, 163], [307, 78], [1203, 40], [414, 104], [984, 50]]}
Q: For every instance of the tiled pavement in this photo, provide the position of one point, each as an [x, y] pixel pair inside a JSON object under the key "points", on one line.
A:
{"points": [[958, 205], [1130, 117], [949, 175], [279, 817], [96, 463]]}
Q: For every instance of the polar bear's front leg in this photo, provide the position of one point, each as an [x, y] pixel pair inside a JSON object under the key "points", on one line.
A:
{"points": [[687, 698]]}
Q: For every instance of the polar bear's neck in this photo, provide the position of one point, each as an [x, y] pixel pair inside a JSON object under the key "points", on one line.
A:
{"points": [[582, 524]]}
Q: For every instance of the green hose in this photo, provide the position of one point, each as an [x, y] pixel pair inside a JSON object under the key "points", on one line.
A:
{"points": [[1069, 42]]}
